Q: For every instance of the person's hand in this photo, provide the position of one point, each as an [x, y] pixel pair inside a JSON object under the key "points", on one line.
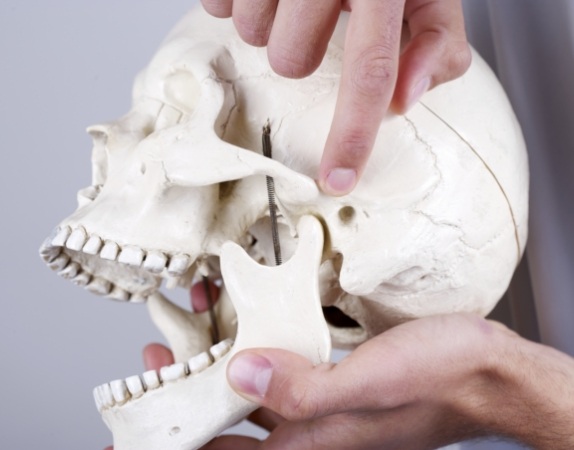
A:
{"points": [[379, 70], [420, 385]]}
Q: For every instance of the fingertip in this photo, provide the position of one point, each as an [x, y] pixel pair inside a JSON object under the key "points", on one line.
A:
{"points": [[218, 8], [338, 181], [156, 356], [200, 301], [292, 62], [437, 52], [346, 154]]}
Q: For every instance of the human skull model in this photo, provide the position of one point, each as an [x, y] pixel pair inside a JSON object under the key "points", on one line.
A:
{"points": [[436, 225]]}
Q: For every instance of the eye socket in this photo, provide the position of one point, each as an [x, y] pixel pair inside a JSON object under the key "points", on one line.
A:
{"points": [[167, 117], [182, 90]]}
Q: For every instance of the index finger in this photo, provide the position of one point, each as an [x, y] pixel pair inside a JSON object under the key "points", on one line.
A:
{"points": [[370, 66]]}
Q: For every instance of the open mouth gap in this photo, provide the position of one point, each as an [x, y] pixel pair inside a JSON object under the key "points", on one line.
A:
{"points": [[118, 392], [100, 266], [334, 316]]}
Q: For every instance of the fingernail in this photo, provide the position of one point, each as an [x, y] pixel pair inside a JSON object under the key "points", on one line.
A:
{"points": [[250, 374], [417, 92], [340, 181]]}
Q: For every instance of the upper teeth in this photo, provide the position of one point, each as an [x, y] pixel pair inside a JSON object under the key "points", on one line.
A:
{"points": [[54, 252], [110, 251], [118, 392], [77, 239], [93, 246], [155, 261]]}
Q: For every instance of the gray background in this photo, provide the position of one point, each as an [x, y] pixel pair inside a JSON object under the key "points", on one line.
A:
{"points": [[65, 65]]}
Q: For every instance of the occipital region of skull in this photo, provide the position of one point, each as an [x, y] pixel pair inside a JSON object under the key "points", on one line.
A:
{"points": [[436, 225]]}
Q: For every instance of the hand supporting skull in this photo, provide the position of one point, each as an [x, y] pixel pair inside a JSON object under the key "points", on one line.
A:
{"points": [[437, 224]]}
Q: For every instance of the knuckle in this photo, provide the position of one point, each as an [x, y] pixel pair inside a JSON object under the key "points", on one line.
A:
{"points": [[374, 70], [459, 59]]}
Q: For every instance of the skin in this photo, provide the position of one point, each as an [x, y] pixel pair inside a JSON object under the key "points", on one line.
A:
{"points": [[421, 385], [395, 50], [426, 383]]}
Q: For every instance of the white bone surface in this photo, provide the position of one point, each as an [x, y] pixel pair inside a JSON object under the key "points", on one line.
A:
{"points": [[77, 239], [205, 404], [436, 225]]}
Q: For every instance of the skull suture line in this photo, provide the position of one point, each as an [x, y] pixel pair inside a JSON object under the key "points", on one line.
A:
{"points": [[437, 224]]}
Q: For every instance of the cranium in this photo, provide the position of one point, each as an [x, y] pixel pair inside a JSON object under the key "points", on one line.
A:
{"points": [[437, 223]]}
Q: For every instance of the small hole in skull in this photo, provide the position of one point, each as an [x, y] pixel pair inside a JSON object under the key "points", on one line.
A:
{"points": [[346, 214], [334, 316], [143, 169], [174, 431]]}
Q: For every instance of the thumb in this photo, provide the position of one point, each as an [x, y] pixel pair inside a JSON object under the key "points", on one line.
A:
{"points": [[286, 383]]}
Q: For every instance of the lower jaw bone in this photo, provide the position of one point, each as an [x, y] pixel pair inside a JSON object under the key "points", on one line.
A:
{"points": [[276, 307]]}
